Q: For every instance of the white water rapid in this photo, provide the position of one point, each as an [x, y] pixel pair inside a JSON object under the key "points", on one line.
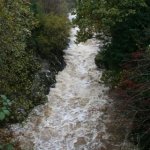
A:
{"points": [[72, 119]]}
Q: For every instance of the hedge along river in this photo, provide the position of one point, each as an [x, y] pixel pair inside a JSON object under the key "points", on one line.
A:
{"points": [[73, 117]]}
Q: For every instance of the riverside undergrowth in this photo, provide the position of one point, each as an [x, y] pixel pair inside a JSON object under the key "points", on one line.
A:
{"points": [[124, 26], [29, 37]]}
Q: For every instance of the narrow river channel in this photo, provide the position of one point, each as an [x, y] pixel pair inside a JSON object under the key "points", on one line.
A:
{"points": [[73, 117]]}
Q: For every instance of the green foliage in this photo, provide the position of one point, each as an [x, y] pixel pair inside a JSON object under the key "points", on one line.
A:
{"points": [[52, 28], [7, 147], [18, 64], [101, 15], [29, 35], [48, 40], [4, 107], [26, 36], [125, 27], [126, 22]]}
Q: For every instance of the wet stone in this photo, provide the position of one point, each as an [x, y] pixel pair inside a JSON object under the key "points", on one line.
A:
{"points": [[48, 112], [102, 148], [47, 133], [78, 125], [83, 102], [80, 141], [99, 136]]}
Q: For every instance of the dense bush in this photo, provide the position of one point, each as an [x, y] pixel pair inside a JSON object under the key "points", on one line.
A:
{"points": [[31, 35], [17, 64], [49, 39], [132, 97], [27, 36], [52, 28], [125, 27]]}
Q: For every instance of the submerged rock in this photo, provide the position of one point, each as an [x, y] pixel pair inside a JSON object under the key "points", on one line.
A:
{"points": [[80, 141]]}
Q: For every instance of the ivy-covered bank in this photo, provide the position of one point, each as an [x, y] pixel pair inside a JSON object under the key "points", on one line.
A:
{"points": [[124, 26], [33, 35]]}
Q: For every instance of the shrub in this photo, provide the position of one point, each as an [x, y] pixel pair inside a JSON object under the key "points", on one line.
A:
{"points": [[52, 28], [126, 24]]}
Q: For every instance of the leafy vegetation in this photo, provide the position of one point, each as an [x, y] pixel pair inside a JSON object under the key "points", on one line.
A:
{"points": [[5, 107], [51, 29], [32, 34], [124, 26], [18, 65], [28, 35]]}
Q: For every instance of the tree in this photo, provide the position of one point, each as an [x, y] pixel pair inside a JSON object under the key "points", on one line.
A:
{"points": [[17, 64], [124, 26]]}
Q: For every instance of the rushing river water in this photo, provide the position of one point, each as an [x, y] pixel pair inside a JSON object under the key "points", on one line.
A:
{"points": [[72, 119]]}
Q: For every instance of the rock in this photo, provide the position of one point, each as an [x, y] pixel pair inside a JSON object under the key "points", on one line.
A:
{"points": [[104, 108], [78, 124], [80, 141], [26, 144], [83, 101], [48, 133], [99, 136], [47, 111], [102, 148]]}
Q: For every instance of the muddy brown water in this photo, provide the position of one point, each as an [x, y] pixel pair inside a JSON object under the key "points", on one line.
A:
{"points": [[72, 119]]}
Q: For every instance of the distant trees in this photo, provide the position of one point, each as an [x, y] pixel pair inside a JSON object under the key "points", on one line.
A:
{"points": [[71, 3], [124, 26], [58, 7]]}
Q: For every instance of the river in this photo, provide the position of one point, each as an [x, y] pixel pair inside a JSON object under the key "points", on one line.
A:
{"points": [[73, 117]]}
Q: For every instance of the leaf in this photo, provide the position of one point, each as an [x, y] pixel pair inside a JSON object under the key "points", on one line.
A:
{"points": [[4, 103], [9, 147], [2, 116], [3, 97], [1, 147], [6, 112], [8, 101], [4, 108]]}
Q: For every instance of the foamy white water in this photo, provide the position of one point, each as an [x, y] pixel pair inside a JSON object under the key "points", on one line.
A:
{"points": [[72, 119]]}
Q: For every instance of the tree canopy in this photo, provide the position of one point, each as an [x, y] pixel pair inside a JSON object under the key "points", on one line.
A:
{"points": [[124, 27]]}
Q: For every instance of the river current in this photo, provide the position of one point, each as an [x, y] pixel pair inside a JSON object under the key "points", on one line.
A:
{"points": [[73, 117]]}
